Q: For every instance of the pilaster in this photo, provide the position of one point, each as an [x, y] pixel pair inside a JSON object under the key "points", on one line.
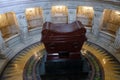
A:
{"points": [[47, 15], [97, 21], [22, 23], [71, 15]]}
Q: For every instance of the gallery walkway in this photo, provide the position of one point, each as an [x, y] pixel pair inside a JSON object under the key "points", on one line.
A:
{"points": [[16, 67]]}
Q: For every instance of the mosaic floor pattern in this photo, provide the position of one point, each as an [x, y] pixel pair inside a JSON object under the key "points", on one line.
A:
{"points": [[14, 70]]}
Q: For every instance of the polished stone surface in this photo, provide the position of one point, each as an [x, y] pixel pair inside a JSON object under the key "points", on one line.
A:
{"points": [[15, 68]]}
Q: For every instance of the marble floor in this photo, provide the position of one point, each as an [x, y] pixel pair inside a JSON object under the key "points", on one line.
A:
{"points": [[15, 69]]}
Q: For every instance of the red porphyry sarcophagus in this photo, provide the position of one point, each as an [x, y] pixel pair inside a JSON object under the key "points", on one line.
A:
{"points": [[63, 37]]}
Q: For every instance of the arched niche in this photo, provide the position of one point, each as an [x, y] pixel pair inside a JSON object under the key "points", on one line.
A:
{"points": [[85, 14], [111, 21], [34, 17], [59, 14], [8, 24]]}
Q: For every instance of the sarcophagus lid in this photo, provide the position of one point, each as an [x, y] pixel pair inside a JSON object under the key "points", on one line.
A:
{"points": [[63, 37]]}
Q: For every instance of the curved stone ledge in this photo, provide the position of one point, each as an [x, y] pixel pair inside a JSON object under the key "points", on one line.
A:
{"points": [[35, 31], [107, 61], [16, 44], [106, 41], [13, 40]]}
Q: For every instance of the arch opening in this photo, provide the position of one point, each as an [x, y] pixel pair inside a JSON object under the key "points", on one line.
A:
{"points": [[111, 21], [85, 14], [8, 25], [34, 17], [59, 14]]}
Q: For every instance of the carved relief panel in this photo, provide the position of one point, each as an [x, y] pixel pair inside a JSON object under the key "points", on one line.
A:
{"points": [[34, 17], [85, 15], [59, 14]]}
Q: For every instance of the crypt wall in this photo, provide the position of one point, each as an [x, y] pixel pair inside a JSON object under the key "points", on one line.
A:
{"points": [[21, 22]]}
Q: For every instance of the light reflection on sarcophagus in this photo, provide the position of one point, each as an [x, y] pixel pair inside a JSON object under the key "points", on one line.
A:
{"points": [[63, 37]]}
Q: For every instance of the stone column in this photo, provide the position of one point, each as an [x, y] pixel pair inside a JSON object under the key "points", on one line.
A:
{"points": [[117, 41], [98, 13], [22, 23], [71, 15]]}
